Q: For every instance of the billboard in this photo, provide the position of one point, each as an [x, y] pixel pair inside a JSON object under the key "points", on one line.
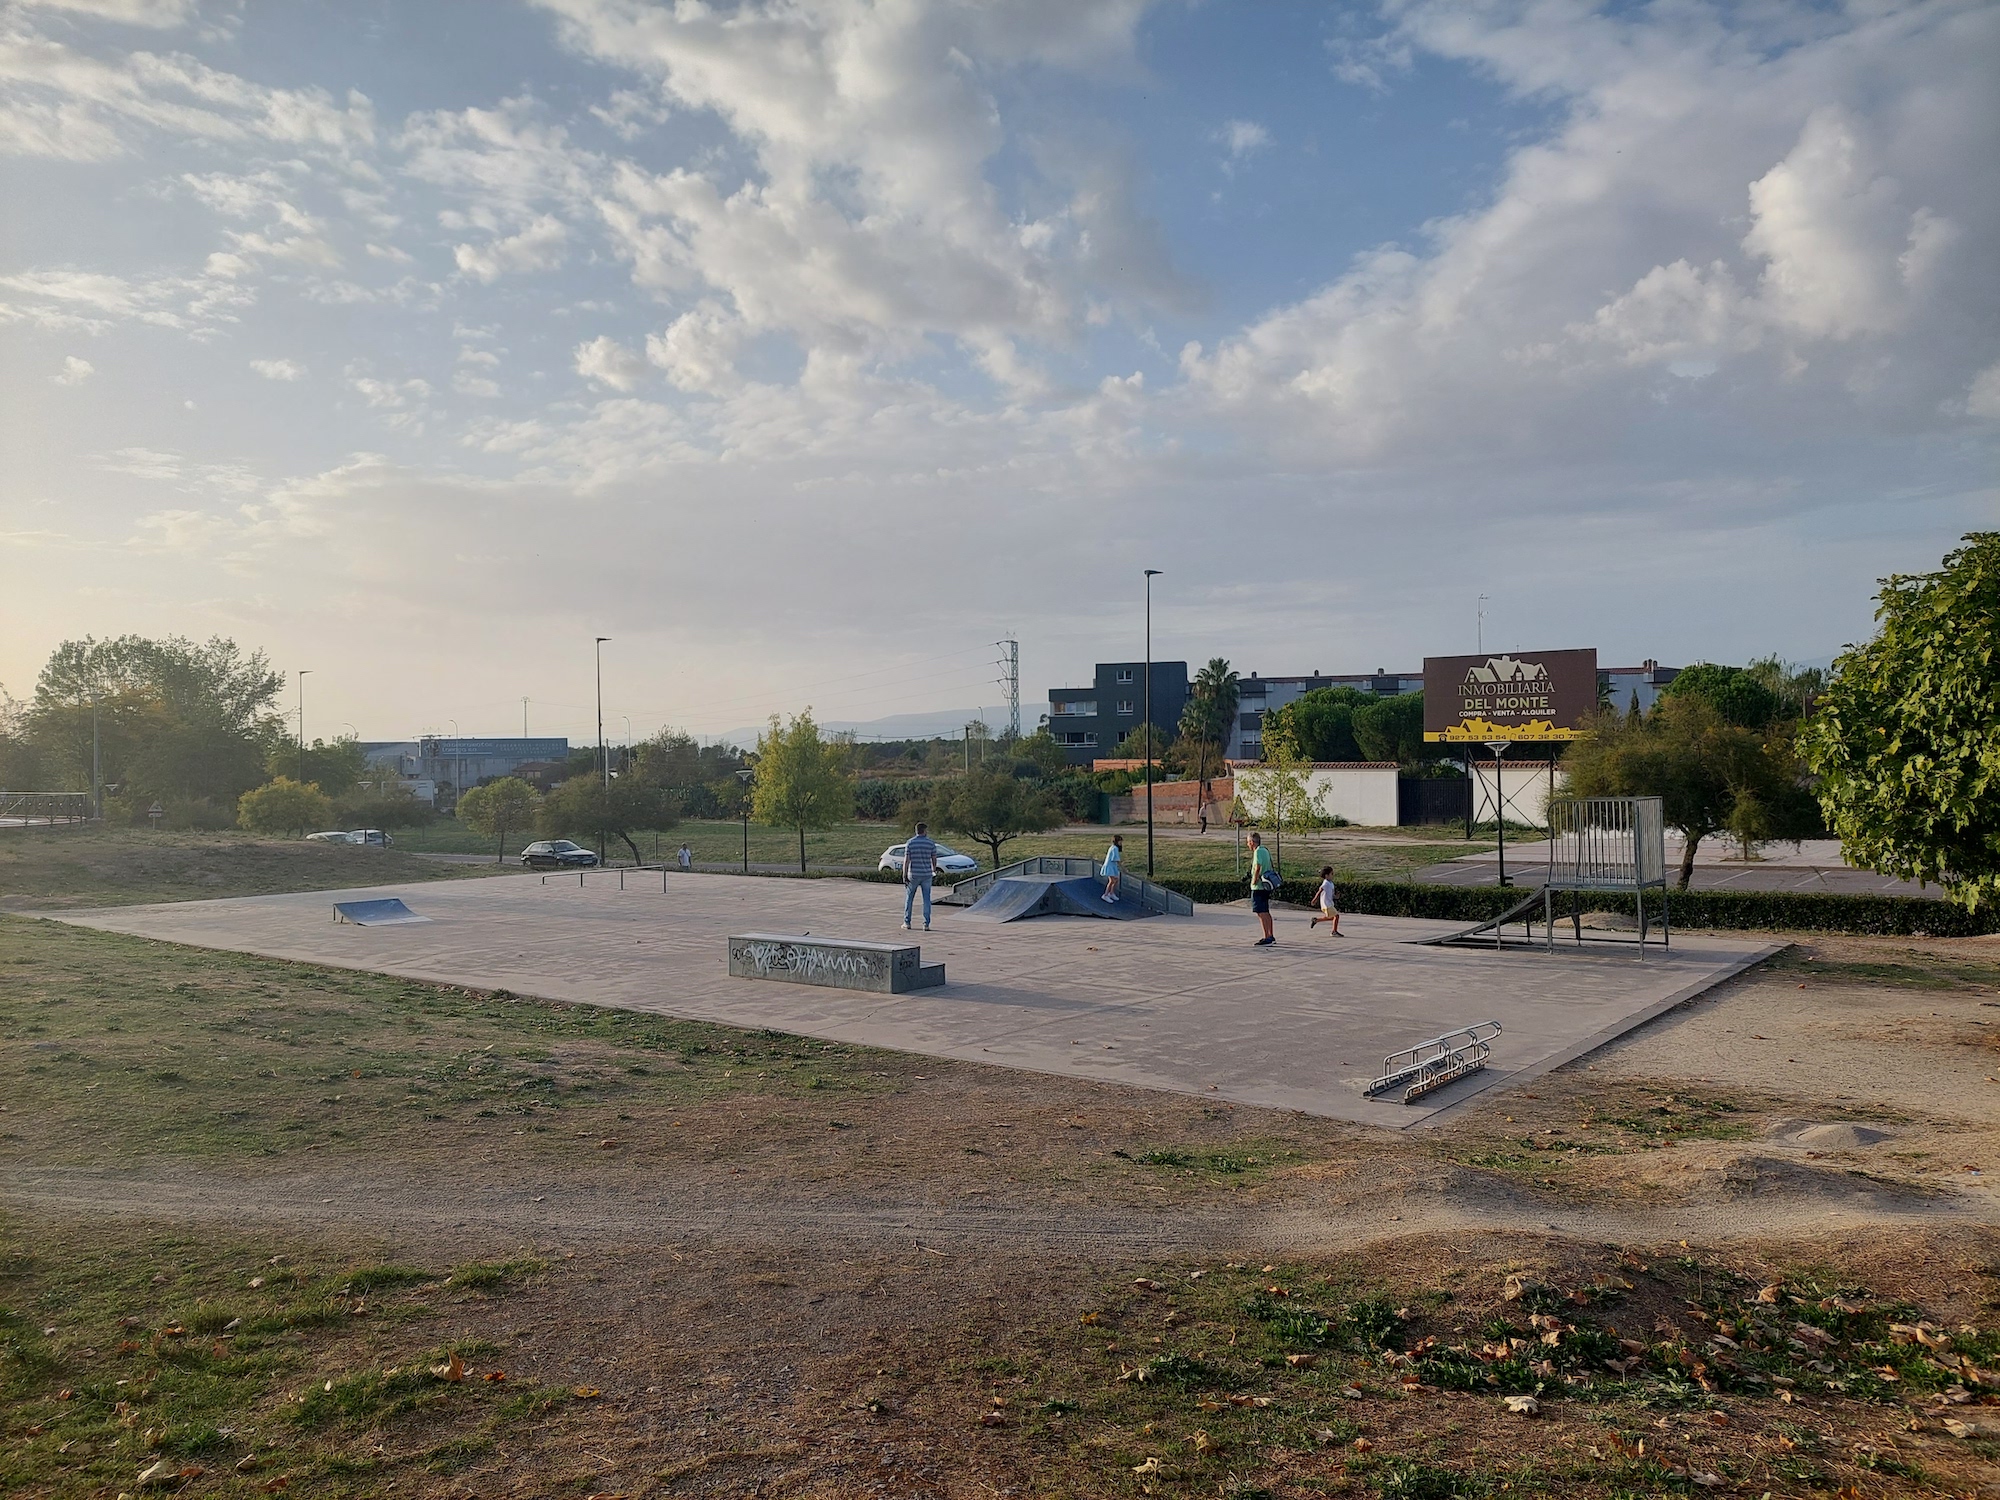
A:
{"points": [[1530, 695]]}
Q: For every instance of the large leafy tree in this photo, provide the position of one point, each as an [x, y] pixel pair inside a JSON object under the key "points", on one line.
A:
{"points": [[1738, 696], [1320, 723], [584, 807], [493, 809], [1392, 728], [334, 767], [284, 806], [1906, 737], [990, 807], [1709, 774], [173, 718], [801, 779], [1205, 721]]}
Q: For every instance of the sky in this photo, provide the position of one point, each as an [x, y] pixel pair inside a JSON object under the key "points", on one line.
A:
{"points": [[806, 348]]}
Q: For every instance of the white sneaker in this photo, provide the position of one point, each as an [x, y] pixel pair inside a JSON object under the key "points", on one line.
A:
{"points": [[1108, 898], [906, 927]]}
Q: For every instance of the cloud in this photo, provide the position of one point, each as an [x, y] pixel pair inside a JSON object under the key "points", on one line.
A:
{"points": [[75, 371], [159, 14], [539, 247], [605, 361], [94, 301], [1982, 398], [279, 369], [1745, 215], [1243, 137]]}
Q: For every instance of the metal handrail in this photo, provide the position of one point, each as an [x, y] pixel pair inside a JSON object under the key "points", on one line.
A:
{"points": [[1431, 1065]]}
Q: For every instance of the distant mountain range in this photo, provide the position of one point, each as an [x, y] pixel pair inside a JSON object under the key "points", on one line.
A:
{"points": [[949, 722]]}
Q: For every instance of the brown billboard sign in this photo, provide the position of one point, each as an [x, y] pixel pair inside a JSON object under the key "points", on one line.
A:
{"points": [[1528, 695]]}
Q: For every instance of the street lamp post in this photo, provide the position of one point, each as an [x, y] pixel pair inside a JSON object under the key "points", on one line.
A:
{"points": [[303, 673], [744, 808], [1151, 574], [457, 770], [604, 763], [1499, 747]]}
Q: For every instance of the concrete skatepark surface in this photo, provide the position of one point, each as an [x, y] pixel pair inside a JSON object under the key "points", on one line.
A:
{"points": [[1186, 1005]]}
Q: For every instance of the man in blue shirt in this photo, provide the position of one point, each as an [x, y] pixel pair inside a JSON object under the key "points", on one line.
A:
{"points": [[919, 867]]}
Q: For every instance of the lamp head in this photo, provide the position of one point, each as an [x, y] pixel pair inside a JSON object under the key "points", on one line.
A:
{"points": [[1154, 572]]}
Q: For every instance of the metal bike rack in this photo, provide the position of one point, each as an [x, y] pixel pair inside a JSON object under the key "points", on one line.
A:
{"points": [[1431, 1065]]}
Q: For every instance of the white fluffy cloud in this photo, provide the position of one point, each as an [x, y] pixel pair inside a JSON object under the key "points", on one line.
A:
{"points": [[1243, 137], [539, 247], [605, 361], [75, 371], [279, 369], [1799, 224]]}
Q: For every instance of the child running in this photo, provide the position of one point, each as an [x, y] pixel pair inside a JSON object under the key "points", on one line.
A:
{"points": [[1114, 861], [1327, 911]]}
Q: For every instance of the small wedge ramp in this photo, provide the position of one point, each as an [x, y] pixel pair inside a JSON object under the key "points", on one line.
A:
{"points": [[388, 911], [1018, 896]]}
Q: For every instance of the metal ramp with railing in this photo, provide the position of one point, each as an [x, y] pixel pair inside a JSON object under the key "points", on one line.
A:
{"points": [[1148, 895], [1431, 1065], [1597, 845]]}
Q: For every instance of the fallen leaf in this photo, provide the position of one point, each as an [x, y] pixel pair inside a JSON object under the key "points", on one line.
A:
{"points": [[992, 1419], [65, 1394], [1352, 1392], [272, 1486], [1147, 1286], [255, 1282], [163, 1472], [1088, 1319], [1203, 1443], [1706, 1481], [454, 1370], [1523, 1406], [1971, 1427], [585, 1392], [1323, 1435], [1196, 1275], [1208, 1403], [1301, 1361], [1150, 1466], [495, 1377], [1770, 1294], [1362, 1445]]}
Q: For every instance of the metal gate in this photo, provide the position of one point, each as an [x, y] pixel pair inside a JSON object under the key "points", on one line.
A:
{"points": [[1425, 800]]}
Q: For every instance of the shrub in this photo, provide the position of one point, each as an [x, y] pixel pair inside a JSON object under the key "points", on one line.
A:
{"points": [[283, 805], [1774, 911], [883, 801]]}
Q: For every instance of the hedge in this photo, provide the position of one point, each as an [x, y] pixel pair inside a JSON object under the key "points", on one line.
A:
{"points": [[1775, 911]]}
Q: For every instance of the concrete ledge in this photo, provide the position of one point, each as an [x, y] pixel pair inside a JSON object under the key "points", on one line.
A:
{"points": [[835, 963]]}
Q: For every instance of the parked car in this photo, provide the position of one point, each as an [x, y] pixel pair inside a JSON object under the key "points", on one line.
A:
{"points": [[949, 861], [557, 854], [373, 836]]}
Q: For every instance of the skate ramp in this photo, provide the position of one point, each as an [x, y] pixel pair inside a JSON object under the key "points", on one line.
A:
{"points": [[387, 912], [1014, 897]]}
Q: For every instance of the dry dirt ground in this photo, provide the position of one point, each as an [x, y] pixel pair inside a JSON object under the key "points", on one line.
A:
{"points": [[267, 1228]]}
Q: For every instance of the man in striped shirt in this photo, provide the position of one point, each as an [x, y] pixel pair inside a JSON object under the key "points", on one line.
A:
{"points": [[919, 867]]}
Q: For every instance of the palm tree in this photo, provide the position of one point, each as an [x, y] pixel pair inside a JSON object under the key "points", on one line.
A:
{"points": [[1211, 708]]}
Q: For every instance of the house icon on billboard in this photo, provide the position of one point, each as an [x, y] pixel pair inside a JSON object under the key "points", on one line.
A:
{"points": [[1507, 669]]}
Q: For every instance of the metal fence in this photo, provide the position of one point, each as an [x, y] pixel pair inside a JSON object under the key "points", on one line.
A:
{"points": [[43, 809], [1606, 844]]}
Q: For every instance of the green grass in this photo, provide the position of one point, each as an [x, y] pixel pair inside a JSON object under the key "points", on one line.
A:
{"points": [[114, 1356], [51, 868], [123, 1047]]}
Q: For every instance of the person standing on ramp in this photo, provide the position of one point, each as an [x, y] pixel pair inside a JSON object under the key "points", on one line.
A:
{"points": [[1114, 864], [919, 868], [1263, 881]]}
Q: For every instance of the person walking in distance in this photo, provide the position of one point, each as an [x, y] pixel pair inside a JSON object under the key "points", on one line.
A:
{"points": [[1114, 864], [1328, 912], [686, 857], [919, 868], [1263, 881]]}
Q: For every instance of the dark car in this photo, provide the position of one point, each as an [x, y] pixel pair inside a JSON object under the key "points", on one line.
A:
{"points": [[557, 854]]}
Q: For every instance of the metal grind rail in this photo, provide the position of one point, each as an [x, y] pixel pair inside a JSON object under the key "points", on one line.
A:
{"points": [[621, 871], [1431, 1065]]}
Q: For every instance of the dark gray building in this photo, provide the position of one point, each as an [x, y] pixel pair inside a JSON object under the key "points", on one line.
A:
{"points": [[1088, 721]]}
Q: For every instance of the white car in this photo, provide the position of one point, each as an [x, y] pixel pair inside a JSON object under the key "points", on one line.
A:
{"points": [[949, 861], [373, 836]]}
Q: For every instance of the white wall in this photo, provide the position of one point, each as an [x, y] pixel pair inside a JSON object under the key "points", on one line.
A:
{"points": [[1525, 785], [1362, 793]]}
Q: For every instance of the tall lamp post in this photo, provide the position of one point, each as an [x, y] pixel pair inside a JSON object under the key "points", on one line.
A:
{"points": [[744, 808], [1499, 748], [457, 770], [603, 761], [1151, 574], [304, 672]]}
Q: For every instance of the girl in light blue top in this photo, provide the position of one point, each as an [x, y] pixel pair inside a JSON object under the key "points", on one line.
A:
{"points": [[1114, 861]]}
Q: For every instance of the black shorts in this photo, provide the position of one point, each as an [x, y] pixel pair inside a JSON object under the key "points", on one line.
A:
{"points": [[1260, 900]]}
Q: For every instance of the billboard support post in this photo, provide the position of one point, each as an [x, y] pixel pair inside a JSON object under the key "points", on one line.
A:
{"points": [[1498, 747]]}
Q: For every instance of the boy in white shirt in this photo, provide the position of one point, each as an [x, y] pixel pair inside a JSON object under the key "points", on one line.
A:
{"points": [[1327, 913]]}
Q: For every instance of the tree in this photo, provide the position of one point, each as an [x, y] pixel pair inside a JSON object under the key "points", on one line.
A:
{"points": [[335, 767], [1392, 728], [283, 805], [584, 807], [1042, 752], [1700, 767], [1320, 723], [496, 807], [1906, 737], [172, 719], [1278, 793], [990, 808], [1206, 720], [1738, 696], [801, 780]]}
